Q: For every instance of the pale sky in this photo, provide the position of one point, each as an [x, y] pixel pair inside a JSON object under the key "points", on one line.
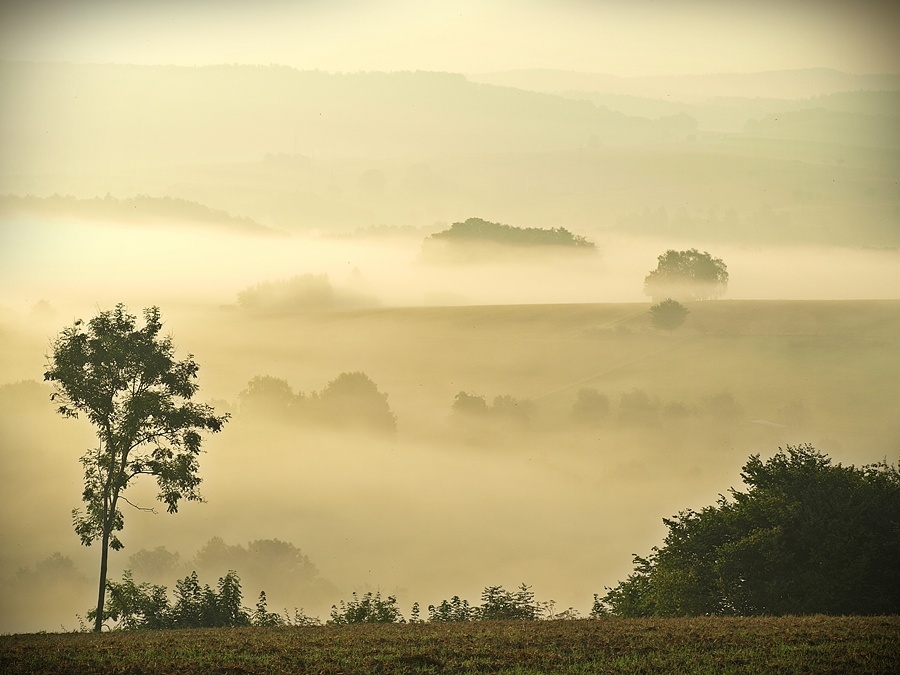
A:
{"points": [[619, 37]]}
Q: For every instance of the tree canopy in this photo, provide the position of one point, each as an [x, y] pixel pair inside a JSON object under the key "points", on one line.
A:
{"points": [[129, 385], [807, 536], [687, 275]]}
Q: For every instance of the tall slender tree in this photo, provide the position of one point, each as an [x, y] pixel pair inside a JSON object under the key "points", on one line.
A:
{"points": [[129, 385]]}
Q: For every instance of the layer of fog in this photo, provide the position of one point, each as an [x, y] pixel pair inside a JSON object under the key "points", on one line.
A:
{"points": [[100, 264]]}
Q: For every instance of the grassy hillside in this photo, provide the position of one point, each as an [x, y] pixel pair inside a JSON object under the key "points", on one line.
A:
{"points": [[845, 645]]}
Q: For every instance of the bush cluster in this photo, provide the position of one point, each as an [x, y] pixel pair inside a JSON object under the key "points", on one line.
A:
{"points": [[134, 606], [497, 604]]}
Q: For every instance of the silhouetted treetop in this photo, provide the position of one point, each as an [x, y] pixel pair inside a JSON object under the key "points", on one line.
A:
{"points": [[476, 230]]}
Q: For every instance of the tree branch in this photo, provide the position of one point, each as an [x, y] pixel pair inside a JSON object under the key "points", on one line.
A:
{"points": [[139, 508]]}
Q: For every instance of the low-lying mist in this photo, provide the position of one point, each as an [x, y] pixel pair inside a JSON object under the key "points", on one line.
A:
{"points": [[86, 264]]}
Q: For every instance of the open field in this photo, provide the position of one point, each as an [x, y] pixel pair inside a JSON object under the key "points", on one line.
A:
{"points": [[816, 644]]}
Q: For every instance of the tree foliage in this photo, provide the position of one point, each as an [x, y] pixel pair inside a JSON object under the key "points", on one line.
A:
{"points": [[127, 382], [806, 537], [687, 275], [368, 608], [267, 562], [452, 611], [668, 314], [499, 604], [353, 401]]}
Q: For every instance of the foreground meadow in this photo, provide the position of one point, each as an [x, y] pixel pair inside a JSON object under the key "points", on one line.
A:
{"points": [[814, 644]]}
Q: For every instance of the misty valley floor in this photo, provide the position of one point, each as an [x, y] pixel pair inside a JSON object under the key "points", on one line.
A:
{"points": [[446, 507]]}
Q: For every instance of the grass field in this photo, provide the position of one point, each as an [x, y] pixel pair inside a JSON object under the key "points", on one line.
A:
{"points": [[816, 644]]}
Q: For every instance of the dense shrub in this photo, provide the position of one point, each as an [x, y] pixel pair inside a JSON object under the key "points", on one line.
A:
{"points": [[668, 314], [370, 608], [806, 537], [146, 605], [499, 604], [452, 610]]}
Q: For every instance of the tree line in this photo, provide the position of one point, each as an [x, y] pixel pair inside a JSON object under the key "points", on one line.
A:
{"points": [[132, 606]]}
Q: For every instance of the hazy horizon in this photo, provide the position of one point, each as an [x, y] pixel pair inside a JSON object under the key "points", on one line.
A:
{"points": [[617, 37]]}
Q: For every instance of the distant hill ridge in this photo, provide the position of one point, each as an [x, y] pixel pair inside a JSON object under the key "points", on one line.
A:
{"points": [[63, 117], [787, 84]]}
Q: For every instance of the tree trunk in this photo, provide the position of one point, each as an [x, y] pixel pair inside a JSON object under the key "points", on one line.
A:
{"points": [[104, 556]]}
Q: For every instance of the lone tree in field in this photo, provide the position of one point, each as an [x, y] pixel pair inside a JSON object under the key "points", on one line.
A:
{"points": [[668, 314], [128, 384], [687, 275]]}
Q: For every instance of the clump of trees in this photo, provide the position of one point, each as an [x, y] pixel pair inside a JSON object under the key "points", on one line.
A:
{"points": [[307, 291], [304, 292], [686, 275], [504, 407], [477, 240], [127, 382], [807, 536], [638, 408], [590, 407], [351, 401], [476, 230]]}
